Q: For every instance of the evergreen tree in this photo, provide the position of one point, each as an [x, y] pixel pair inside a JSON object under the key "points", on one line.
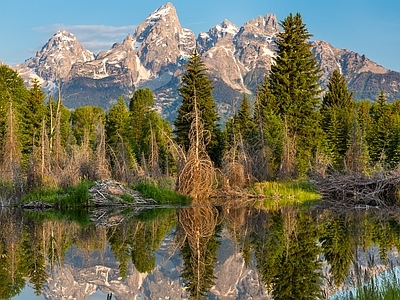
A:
{"points": [[336, 111], [294, 84], [117, 121], [270, 128], [197, 84], [140, 107], [380, 130], [33, 112], [84, 123], [393, 148], [148, 131], [243, 119]]}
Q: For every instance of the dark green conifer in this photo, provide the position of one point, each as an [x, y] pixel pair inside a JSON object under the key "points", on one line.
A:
{"points": [[380, 131], [294, 83], [116, 125], [337, 113], [33, 112], [197, 84]]}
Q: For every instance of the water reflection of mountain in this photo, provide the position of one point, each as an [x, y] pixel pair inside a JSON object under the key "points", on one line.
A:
{"points": [[195, 253]]}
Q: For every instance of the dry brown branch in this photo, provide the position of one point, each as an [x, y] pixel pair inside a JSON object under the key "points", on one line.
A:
{"points": [[357, 190], [197, 177]]}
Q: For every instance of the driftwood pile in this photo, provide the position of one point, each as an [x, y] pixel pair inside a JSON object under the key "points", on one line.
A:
{"points": [[358, 190], [111, 193]]}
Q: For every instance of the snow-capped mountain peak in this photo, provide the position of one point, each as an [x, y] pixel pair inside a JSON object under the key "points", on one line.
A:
{"points": [[57, 56], [162, 12]]}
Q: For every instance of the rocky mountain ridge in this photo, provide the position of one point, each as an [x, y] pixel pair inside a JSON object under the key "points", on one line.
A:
{"points": [[154, 57]]}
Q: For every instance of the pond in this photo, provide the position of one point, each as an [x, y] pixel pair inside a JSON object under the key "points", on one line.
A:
{"points": [[199, 252]]}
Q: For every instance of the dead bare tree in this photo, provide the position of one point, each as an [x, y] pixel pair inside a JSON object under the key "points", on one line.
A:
{"points": [[100, 160], [11, 158], [197, 177]]}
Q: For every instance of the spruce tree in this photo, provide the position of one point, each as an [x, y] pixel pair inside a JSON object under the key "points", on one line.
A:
{"points": [[380, 130], [117, 123], [84, 122], [243, 119], [197, 84], [294, 84], [148, 131], [337, 112], [33, 112], [270, 128]]}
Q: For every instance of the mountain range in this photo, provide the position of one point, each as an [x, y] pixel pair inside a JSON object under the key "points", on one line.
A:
{"points": [[155, 54]]}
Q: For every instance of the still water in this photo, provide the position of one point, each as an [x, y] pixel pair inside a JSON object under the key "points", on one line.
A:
{"points": [[203, 252]]}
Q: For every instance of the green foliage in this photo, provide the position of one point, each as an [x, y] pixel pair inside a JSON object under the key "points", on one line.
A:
{"points": [[337, 247], [65, 121], [149, 133], [197, 85], [33, 112], [268, 242], [337, 113], [243, 120], [116, 125], [294, 85], [298, 275], [380, 130], [85, 120], [160, 194]]}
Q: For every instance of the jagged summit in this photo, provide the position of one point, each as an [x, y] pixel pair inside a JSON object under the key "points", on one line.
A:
{"points": [[160, 40], [206, 40], [226, 27], [162, 12], [154, 55], [58, 55]]}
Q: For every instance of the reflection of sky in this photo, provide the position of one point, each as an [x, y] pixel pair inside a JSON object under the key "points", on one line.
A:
{"points": [[28, 293], [391, 275], [99, 295]]}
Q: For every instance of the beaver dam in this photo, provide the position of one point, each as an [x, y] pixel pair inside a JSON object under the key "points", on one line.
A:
{"points": [[360, 190]]}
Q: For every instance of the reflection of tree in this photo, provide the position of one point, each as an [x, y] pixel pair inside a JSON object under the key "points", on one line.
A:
{"points": [[137, 241], [11, 276], [268, 243], [298, 275], [337, 247], [33, 259], [386, 235], [143, 248], [199, 248]]}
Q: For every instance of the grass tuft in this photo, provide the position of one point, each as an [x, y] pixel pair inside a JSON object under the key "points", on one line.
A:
{"points": [[286, 193], [159, 193]]}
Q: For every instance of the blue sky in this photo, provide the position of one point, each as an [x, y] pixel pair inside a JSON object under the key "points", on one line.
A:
{"points": [[369, 27]]}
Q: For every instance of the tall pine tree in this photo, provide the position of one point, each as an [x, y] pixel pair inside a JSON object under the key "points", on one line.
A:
{"points": [[294, 83], [197, 84], [337, 113], [380, 129]]}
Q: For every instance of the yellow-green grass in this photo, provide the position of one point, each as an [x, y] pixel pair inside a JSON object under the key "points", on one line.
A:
{"points": [[275, 194]]}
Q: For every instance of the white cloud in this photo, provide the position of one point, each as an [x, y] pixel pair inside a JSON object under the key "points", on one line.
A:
{"points": [[94, 37]]}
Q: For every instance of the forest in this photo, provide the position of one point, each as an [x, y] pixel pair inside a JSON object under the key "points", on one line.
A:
{"points": [[292, 128]]}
